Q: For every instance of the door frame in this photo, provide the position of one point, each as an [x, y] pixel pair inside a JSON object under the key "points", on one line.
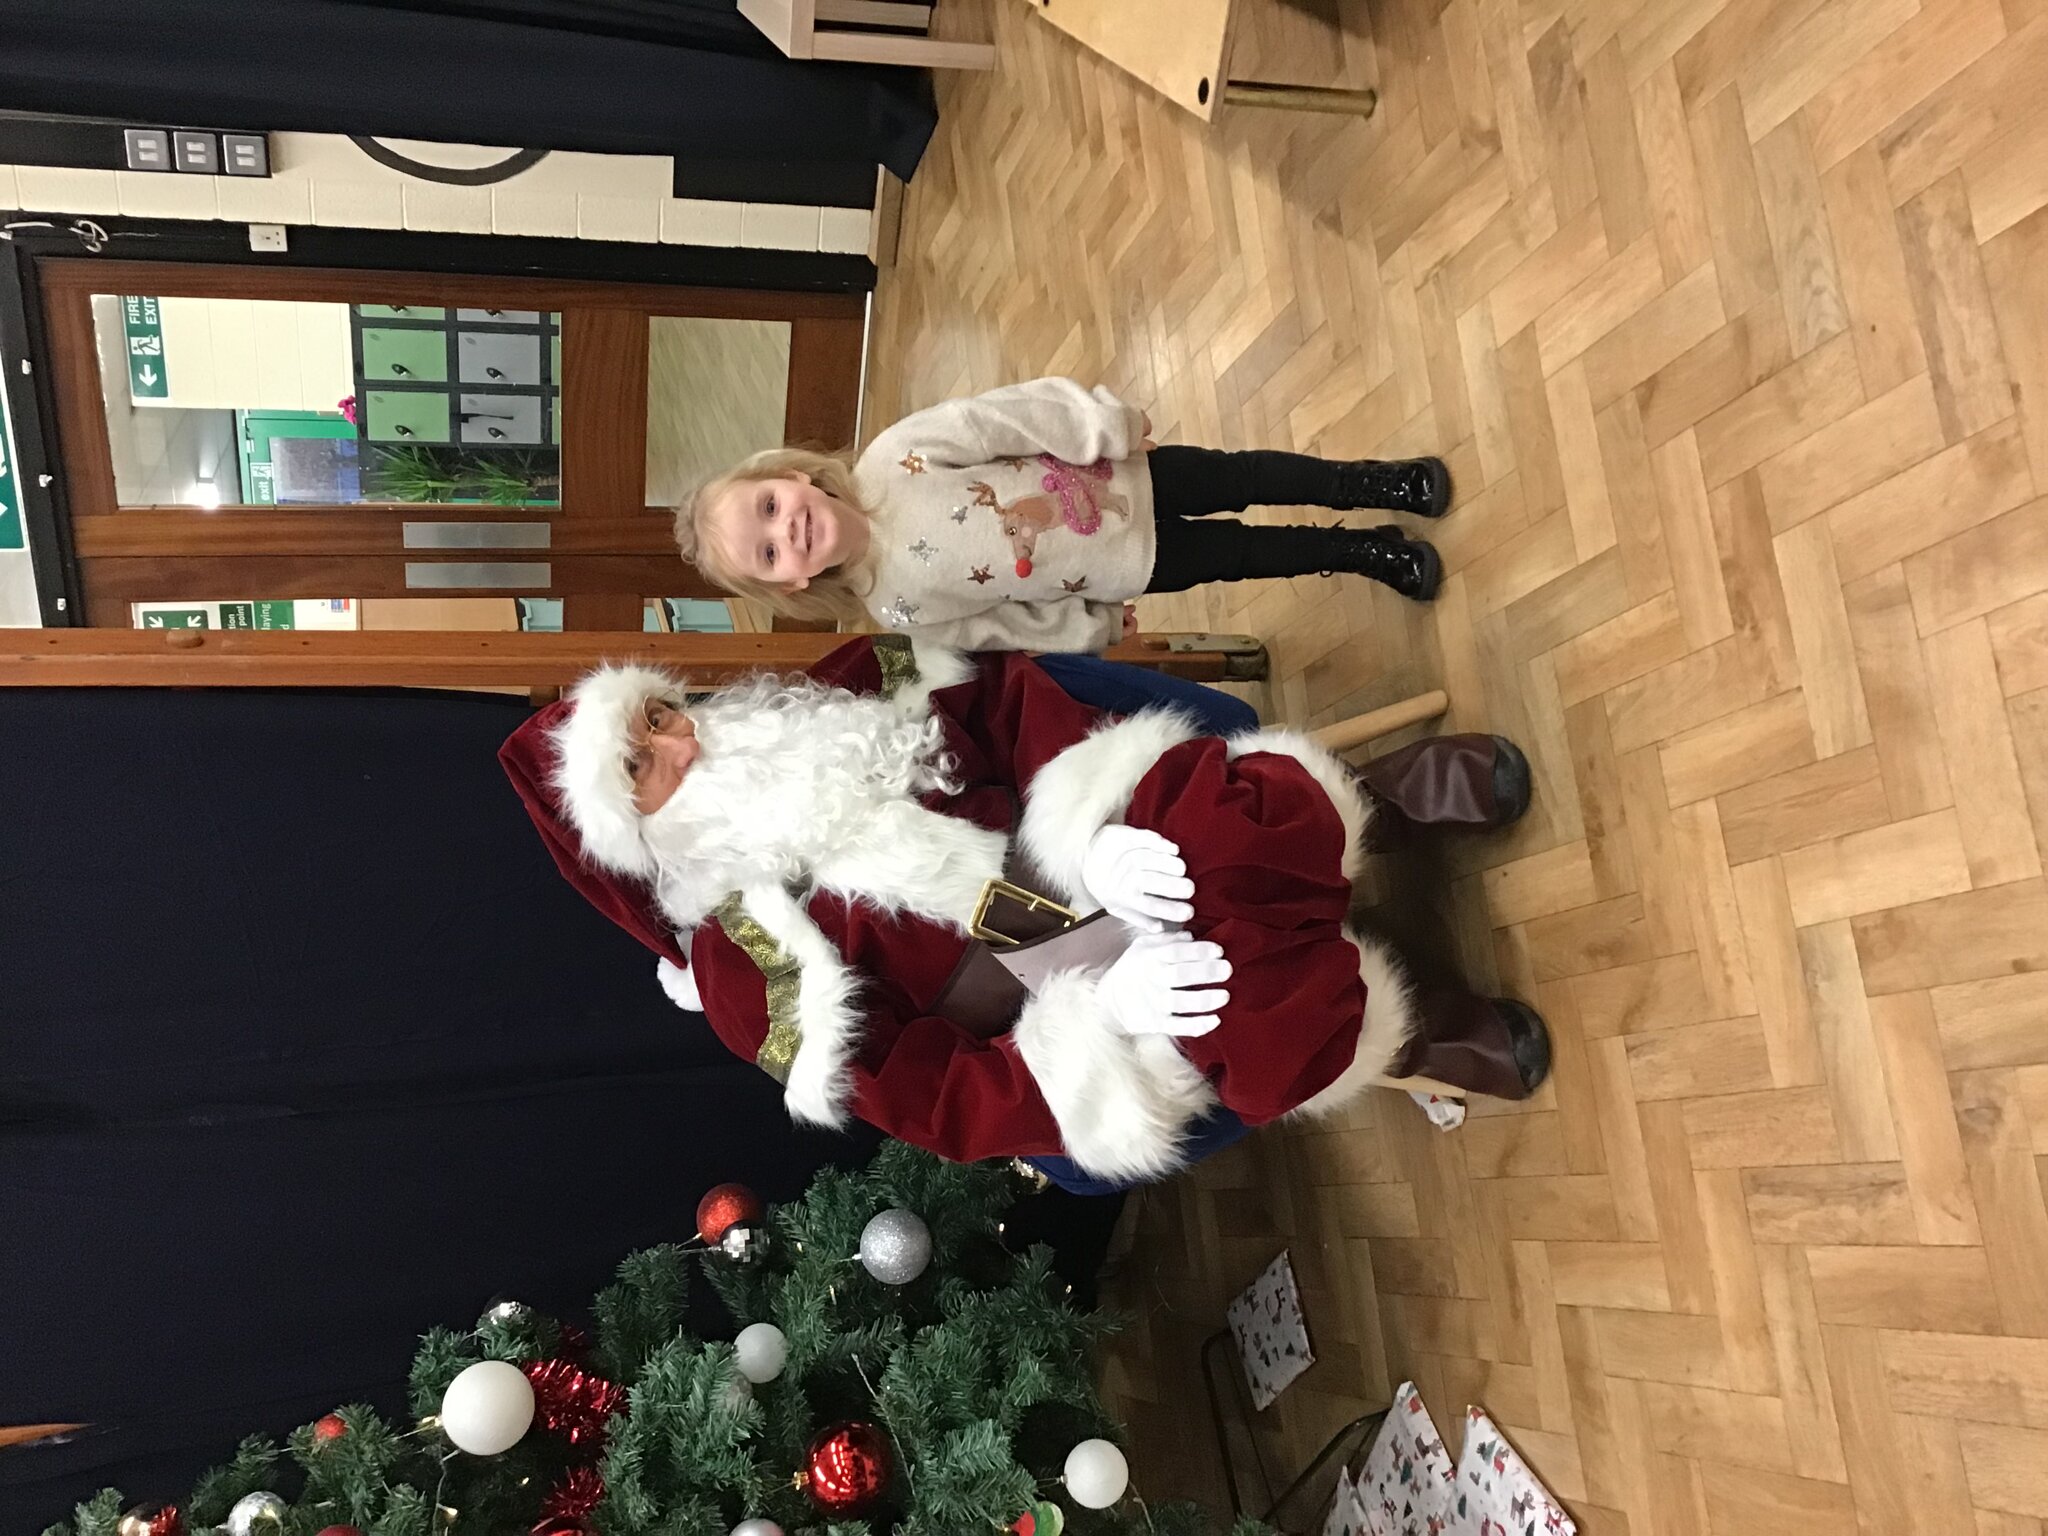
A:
{"points": [[41, 241], [124, 553]]}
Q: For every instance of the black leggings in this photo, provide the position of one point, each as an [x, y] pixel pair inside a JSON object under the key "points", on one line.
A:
{"points": [[1191, 483]]}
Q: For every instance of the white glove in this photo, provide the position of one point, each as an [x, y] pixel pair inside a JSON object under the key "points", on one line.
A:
{"points": [[1150, 988], [1138, 877], [679, 984]]}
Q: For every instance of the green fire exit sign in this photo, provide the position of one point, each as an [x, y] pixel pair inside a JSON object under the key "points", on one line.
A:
{"points": [[144, 324]]}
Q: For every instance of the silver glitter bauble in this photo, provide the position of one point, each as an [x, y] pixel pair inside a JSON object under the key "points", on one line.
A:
{"points": [[896, 1247], [512, 1314], [744, 1244], [256, 1514]]}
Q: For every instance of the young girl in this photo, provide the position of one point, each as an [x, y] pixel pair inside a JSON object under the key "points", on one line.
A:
{"points": [[1025, 518]]}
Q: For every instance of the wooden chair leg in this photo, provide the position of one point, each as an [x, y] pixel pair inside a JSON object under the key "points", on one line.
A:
{"points": [[1302, 98], [1343, 735]]}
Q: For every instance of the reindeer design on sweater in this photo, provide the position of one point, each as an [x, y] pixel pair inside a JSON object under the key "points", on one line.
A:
{"points": [[1073, 500]]}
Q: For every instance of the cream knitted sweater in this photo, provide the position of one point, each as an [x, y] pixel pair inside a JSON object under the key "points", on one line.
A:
{"points": [[1017, 520]]}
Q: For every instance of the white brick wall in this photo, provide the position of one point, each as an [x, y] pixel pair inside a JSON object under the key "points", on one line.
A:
{"points": [[321, 178]]}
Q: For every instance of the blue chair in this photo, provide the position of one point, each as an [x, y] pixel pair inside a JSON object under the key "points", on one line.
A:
{"points": [[1121, 690]]}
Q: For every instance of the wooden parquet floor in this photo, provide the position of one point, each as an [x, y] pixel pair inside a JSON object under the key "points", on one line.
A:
{"points": [[1732, 318]]}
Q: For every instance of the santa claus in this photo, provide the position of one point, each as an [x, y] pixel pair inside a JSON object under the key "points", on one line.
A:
{"points": [[937, 893]]}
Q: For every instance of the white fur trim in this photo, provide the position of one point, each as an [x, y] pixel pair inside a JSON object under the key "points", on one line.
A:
{"points": [[938, 666], [1088, 786], [1328, 770], [591, 748], [827, 1013], [908, 858], [678, 985], [1389, 1021], [1123, 1102]]}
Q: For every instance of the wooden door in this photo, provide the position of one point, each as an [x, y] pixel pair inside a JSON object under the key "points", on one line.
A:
{"points": [[500, 441]]}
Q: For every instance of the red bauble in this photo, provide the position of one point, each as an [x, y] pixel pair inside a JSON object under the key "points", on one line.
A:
{"points": [[341, 1530], [727, 1206], [1025, 1524], [571, 1402], [847, 1468], [329, 1428]]}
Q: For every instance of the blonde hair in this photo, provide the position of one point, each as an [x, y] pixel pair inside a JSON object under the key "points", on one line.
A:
{"points": [[835, 595]]}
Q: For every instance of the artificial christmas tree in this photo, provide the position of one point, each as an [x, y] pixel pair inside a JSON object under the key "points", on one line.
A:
{"points": [[869, 1395]]}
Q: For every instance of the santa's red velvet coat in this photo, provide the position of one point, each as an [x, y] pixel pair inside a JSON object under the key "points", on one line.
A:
{"points": [[836, 996]]}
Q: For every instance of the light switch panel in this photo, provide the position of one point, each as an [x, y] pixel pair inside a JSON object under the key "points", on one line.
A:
{"points": [[245, 154], [148, 149], [198, 152]]}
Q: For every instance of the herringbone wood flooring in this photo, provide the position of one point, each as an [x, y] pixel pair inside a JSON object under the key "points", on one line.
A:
{"points": [[1732, 318]]}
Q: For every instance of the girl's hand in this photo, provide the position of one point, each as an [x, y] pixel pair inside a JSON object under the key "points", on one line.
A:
{"points": [[1130, 620], [1145, 427]]}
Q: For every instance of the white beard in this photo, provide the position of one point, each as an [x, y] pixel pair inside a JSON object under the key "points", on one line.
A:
{"points": [[800, 783]]}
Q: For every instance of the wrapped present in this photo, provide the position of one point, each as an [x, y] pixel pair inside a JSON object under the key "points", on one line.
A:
{"points": [[1409, 1487], [1271, 1334], [1497, 1493], [1408, 1483]]}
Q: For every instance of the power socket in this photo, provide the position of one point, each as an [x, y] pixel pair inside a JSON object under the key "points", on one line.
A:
{"points": [[267, 237]]}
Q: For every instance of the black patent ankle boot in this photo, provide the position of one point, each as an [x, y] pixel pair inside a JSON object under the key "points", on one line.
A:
{"points": [[1420, 486], [1412, 567]]}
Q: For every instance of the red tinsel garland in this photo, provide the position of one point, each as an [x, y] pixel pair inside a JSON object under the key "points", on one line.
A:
{"points": [[571, 1402], [575, 1497]]}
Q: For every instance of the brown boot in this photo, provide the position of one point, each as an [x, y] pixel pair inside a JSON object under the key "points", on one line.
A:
{"points": [[1490, 1045], [1475, 781]]}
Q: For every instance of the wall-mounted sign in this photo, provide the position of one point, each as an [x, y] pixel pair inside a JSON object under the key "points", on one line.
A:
{"points": [[281, 613], [144, 324]]}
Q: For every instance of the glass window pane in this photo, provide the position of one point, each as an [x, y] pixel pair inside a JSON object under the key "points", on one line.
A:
{"points": [[247, 613], [717, 390], [255, 402]]}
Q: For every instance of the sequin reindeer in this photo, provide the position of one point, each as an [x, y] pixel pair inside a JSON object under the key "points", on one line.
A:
{"points": [[1081, 497]]}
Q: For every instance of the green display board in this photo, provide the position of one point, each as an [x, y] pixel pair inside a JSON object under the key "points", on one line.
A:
{"points": [[147, 378]]}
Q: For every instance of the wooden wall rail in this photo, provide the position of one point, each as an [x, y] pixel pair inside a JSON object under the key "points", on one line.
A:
{"points": [[191, 658]]}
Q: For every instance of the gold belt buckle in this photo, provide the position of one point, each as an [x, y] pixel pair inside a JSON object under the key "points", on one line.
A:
{"points": [[1030, 901]]}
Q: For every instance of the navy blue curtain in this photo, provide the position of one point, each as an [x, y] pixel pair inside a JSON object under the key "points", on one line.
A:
{"points": [[626, 76], [305, 1047]]}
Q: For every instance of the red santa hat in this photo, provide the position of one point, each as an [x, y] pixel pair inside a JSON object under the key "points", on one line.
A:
{"points": [[607, 712], [532, 760]]}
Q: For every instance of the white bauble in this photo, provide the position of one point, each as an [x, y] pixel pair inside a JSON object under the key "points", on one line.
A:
{"points": [[487, 1408], [757, 1528], [1097, 1474], [760, 1352]]}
